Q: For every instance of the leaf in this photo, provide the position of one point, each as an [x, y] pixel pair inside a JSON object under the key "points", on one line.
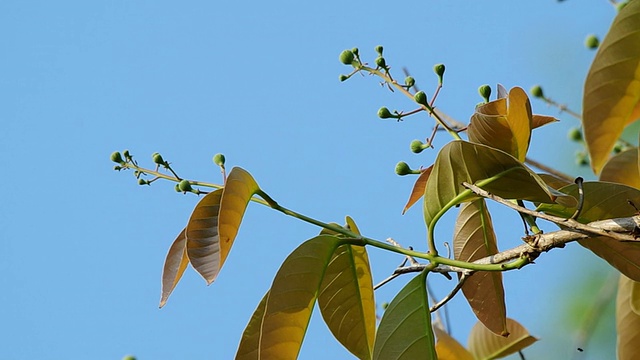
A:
{"points": [[203, 242], [292, 296], [405, 329], [627, 322], [418, 188], [238, 190], [634, 300], [623, 169], [604, 200], [541, 120], [484, 344], [612, 87], [249, 348], [174, 266], [474, 239], [461, 161], [448, 348], [519, 118], [554, 181]]}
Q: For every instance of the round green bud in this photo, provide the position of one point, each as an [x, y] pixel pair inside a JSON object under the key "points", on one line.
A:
{"points": [[143, 182], [157, 158], [379, 49], [536, 91], [117, 168], [177, 188], [402, 168], [219, 159], [355, 51], [416, 146], [485, 92], [617, 148], [126, 154], [620, 5], [581, 158], [381, 62], [592, 42], [116, 157], [385, 305], [343, 77], [384, 113], [185, 185], [439, 70], [575, 134], [421, 98], [409, 81], [346, 57], [129, 357]]}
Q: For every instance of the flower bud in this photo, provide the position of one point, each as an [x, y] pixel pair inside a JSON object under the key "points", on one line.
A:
{"points": [[346, 57], [409, 81], [485, 92], [536, 91], [185, 185], [343, 77], [384, 113], [117, 168], [126, 155], [157, 158], [177, 188], [116, 157], [402, 168], [143, 182], [592, 42], [421, 98], [439, 70], [355, 51], [575, 134], [219, 159], [417, 146], [379, 49], [380, 61]]}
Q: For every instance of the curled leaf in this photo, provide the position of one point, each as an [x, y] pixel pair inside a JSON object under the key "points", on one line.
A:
{"points": [[418, 188], [448, 348], [174, 266], [484, 344], [203, 242]]}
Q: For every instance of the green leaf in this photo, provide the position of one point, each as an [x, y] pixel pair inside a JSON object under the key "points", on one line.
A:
{"points": [[238, 190], [405, 329], [448, 348], [484, 344], [249, 348], [418, 188], [612, 87], [627, 322], [474, 239], [174, 266], [623, 169], [203, 242], [292, 296], [461, 161]]}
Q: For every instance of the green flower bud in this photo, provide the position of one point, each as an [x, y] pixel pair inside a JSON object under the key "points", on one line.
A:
{"points": [[439, 70], [116, 157], [129, 357], [421, 98], [380, 61], [384, 113], [409, 81], [536, 91], [219, 159], [575, 134], [126, 154], [417, 146], [185, 185], [143, 182], [379, 49], [355, 51], [402, 168], [620, 5], [385, 305], [346, 57], [617, 148], [157, 158], [592, 42], [117, 168], [177, 188], [343, 77], [581, 158], [485, 92]]}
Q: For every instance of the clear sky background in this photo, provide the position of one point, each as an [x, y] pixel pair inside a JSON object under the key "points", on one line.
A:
{"points": [[83, 245]]}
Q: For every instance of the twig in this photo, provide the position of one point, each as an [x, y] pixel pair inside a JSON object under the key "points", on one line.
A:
{"points": [[548, 169], [450, 296]]}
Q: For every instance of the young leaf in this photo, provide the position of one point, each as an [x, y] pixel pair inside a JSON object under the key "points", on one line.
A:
{"points": [[418, 188], [622, 169], [541, 120], [292, 296], [461, 161], [249, 348], [519, 117], [484, 344], [474, 239], [405, 330], [627, 322], [346, 298], [238, 190], [448, 348], [203, 242], [612, 90], [174, 266]]}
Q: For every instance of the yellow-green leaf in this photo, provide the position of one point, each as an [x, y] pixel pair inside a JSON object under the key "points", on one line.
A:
{"points": [[461, 161], [635, 297], [484, 344], [405, 330], [249, 348], [622, 169], [418, 188], [474, 239], [554, 181], [627, 322], [174, 266], [238, 190], [519, 117], [203, 242], [612, 87], [448, 348], [292, 296]]}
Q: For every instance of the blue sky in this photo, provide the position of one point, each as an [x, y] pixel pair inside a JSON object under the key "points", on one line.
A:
{"points": [[83, 245]]}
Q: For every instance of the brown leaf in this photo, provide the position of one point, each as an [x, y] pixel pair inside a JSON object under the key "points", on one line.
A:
{"points": [[623, 169], [174, 266], [627, 322], [418, 188], [541, 120], [484, 344], [203, 241]]}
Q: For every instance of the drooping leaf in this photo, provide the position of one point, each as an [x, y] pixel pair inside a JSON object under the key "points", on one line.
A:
{"points": [[418, 188], [622, 169], [203, 242], [238, 190], [448, 348], [474, 239], [292, 296], [461, 161], [249, 348], [612, 87], [405, 330], [627, 322], [603, 200], [541, 120], [484, 344], [174, 266], [519, 117]]}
